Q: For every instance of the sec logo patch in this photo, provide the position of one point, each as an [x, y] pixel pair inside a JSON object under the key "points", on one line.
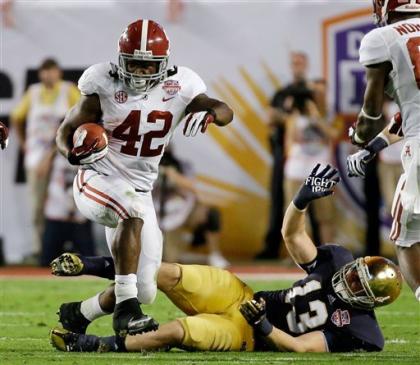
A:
{"points": [[121, 97]]}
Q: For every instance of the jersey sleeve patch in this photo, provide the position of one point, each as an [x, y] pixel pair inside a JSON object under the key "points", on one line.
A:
{"points": [[373, 49]]}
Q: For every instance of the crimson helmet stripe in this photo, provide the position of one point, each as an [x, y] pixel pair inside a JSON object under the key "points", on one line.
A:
{"points": [[144, 31]]}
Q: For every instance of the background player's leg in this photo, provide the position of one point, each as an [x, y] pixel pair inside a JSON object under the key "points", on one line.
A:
{"points": [[409, 259]]}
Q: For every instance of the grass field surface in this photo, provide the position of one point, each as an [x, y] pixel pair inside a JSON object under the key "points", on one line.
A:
{"points": [[28, 311]]}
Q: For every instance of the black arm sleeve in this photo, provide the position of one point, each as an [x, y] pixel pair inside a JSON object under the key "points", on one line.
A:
{"points": [[341, 341], [331, 255]]}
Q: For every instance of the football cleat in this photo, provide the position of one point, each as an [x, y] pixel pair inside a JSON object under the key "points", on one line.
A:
{"points": [[68, 264], [71, 318], [64, 340], [130, 320]]}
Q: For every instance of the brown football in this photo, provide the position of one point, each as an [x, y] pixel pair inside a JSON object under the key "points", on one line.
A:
{"points": [[89, 137]]}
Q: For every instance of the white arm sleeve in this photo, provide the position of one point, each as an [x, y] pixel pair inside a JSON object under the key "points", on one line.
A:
{"points": [[373, 49], [192, 85], [88, 82]]}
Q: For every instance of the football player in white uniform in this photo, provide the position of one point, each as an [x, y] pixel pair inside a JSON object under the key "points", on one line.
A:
{"points": [[391, 55], [139, 102]]}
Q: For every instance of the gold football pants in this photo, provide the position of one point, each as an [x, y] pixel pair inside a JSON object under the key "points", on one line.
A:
{"points": [[211, 298]]}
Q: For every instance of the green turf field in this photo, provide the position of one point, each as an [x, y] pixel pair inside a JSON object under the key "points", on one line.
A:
{"points": [[27, 312]]}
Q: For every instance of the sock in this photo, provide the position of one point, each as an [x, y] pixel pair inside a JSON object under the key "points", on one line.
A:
{"points": [[102, 266], [418, 293], [112, 343], [125, 287], [91, 309]]}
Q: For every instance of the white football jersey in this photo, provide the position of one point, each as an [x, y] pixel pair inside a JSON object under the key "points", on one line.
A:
{"points": [[138, 126], [398, 43]]}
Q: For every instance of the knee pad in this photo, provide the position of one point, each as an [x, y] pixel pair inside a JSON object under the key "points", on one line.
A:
{"points": [[146, 293], [146, 284]]}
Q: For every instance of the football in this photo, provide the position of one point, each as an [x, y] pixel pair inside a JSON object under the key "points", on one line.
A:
{"points": [[89, 137]]}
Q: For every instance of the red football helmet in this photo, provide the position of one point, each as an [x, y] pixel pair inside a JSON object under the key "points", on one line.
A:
{"points": [[381, 8], [143, 40]]}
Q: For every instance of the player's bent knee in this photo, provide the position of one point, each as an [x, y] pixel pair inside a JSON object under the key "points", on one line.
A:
{"points": [[168, 276]]}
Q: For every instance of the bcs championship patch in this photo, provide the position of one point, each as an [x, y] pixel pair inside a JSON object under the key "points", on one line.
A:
{"points": [[340, 318], [121, 97], [171, 87]]}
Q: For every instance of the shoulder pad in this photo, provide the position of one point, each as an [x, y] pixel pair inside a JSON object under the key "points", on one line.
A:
{"points": [[172, 71], [114, 70]]}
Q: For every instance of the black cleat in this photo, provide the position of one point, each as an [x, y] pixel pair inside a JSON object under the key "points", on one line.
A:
{"points": [[64, 340], [130, 320], [71, 318], [68, 264]]}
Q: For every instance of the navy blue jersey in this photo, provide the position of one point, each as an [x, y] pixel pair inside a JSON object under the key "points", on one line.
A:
{"points": [[312, 305]]}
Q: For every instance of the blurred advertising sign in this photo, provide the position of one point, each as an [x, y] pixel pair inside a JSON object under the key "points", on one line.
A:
{"points": [[342, 35]]}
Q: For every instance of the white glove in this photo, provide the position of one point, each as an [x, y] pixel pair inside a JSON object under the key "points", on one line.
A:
{"points": [[93, 157], [356, 163], [198, 121]]}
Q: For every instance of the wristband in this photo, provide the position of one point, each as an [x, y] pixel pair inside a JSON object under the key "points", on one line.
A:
{"points": [[369, 116], [357, 139], [378, 143], [263, 327]]}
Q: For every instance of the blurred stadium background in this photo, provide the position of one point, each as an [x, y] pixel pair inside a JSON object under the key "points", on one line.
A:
{"points": [[241, 50]]}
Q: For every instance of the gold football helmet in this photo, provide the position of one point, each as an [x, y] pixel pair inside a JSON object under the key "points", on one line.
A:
{"points": [[368, 282]]}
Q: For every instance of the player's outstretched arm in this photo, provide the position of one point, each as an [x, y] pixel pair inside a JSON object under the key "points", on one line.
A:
{"points": [[202, 111], [223, 114], [87, 110], [319, 183], [370, 121], [255, 314], [392, 133]]}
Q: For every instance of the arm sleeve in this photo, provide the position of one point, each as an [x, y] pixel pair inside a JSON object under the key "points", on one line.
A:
{"points": [[373, 49], [331, 256], [341, 341], [74, 95], [192, 86], [20, 112]]}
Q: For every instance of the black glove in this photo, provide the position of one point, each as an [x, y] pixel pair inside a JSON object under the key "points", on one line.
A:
{"points": [[317, 185], [255, 314]]}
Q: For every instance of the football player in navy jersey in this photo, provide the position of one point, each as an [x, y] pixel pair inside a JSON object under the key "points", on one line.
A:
{"points": [[331, 309]]}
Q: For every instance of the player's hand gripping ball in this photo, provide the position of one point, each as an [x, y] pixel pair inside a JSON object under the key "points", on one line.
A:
{"points": [[90, 144]]}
